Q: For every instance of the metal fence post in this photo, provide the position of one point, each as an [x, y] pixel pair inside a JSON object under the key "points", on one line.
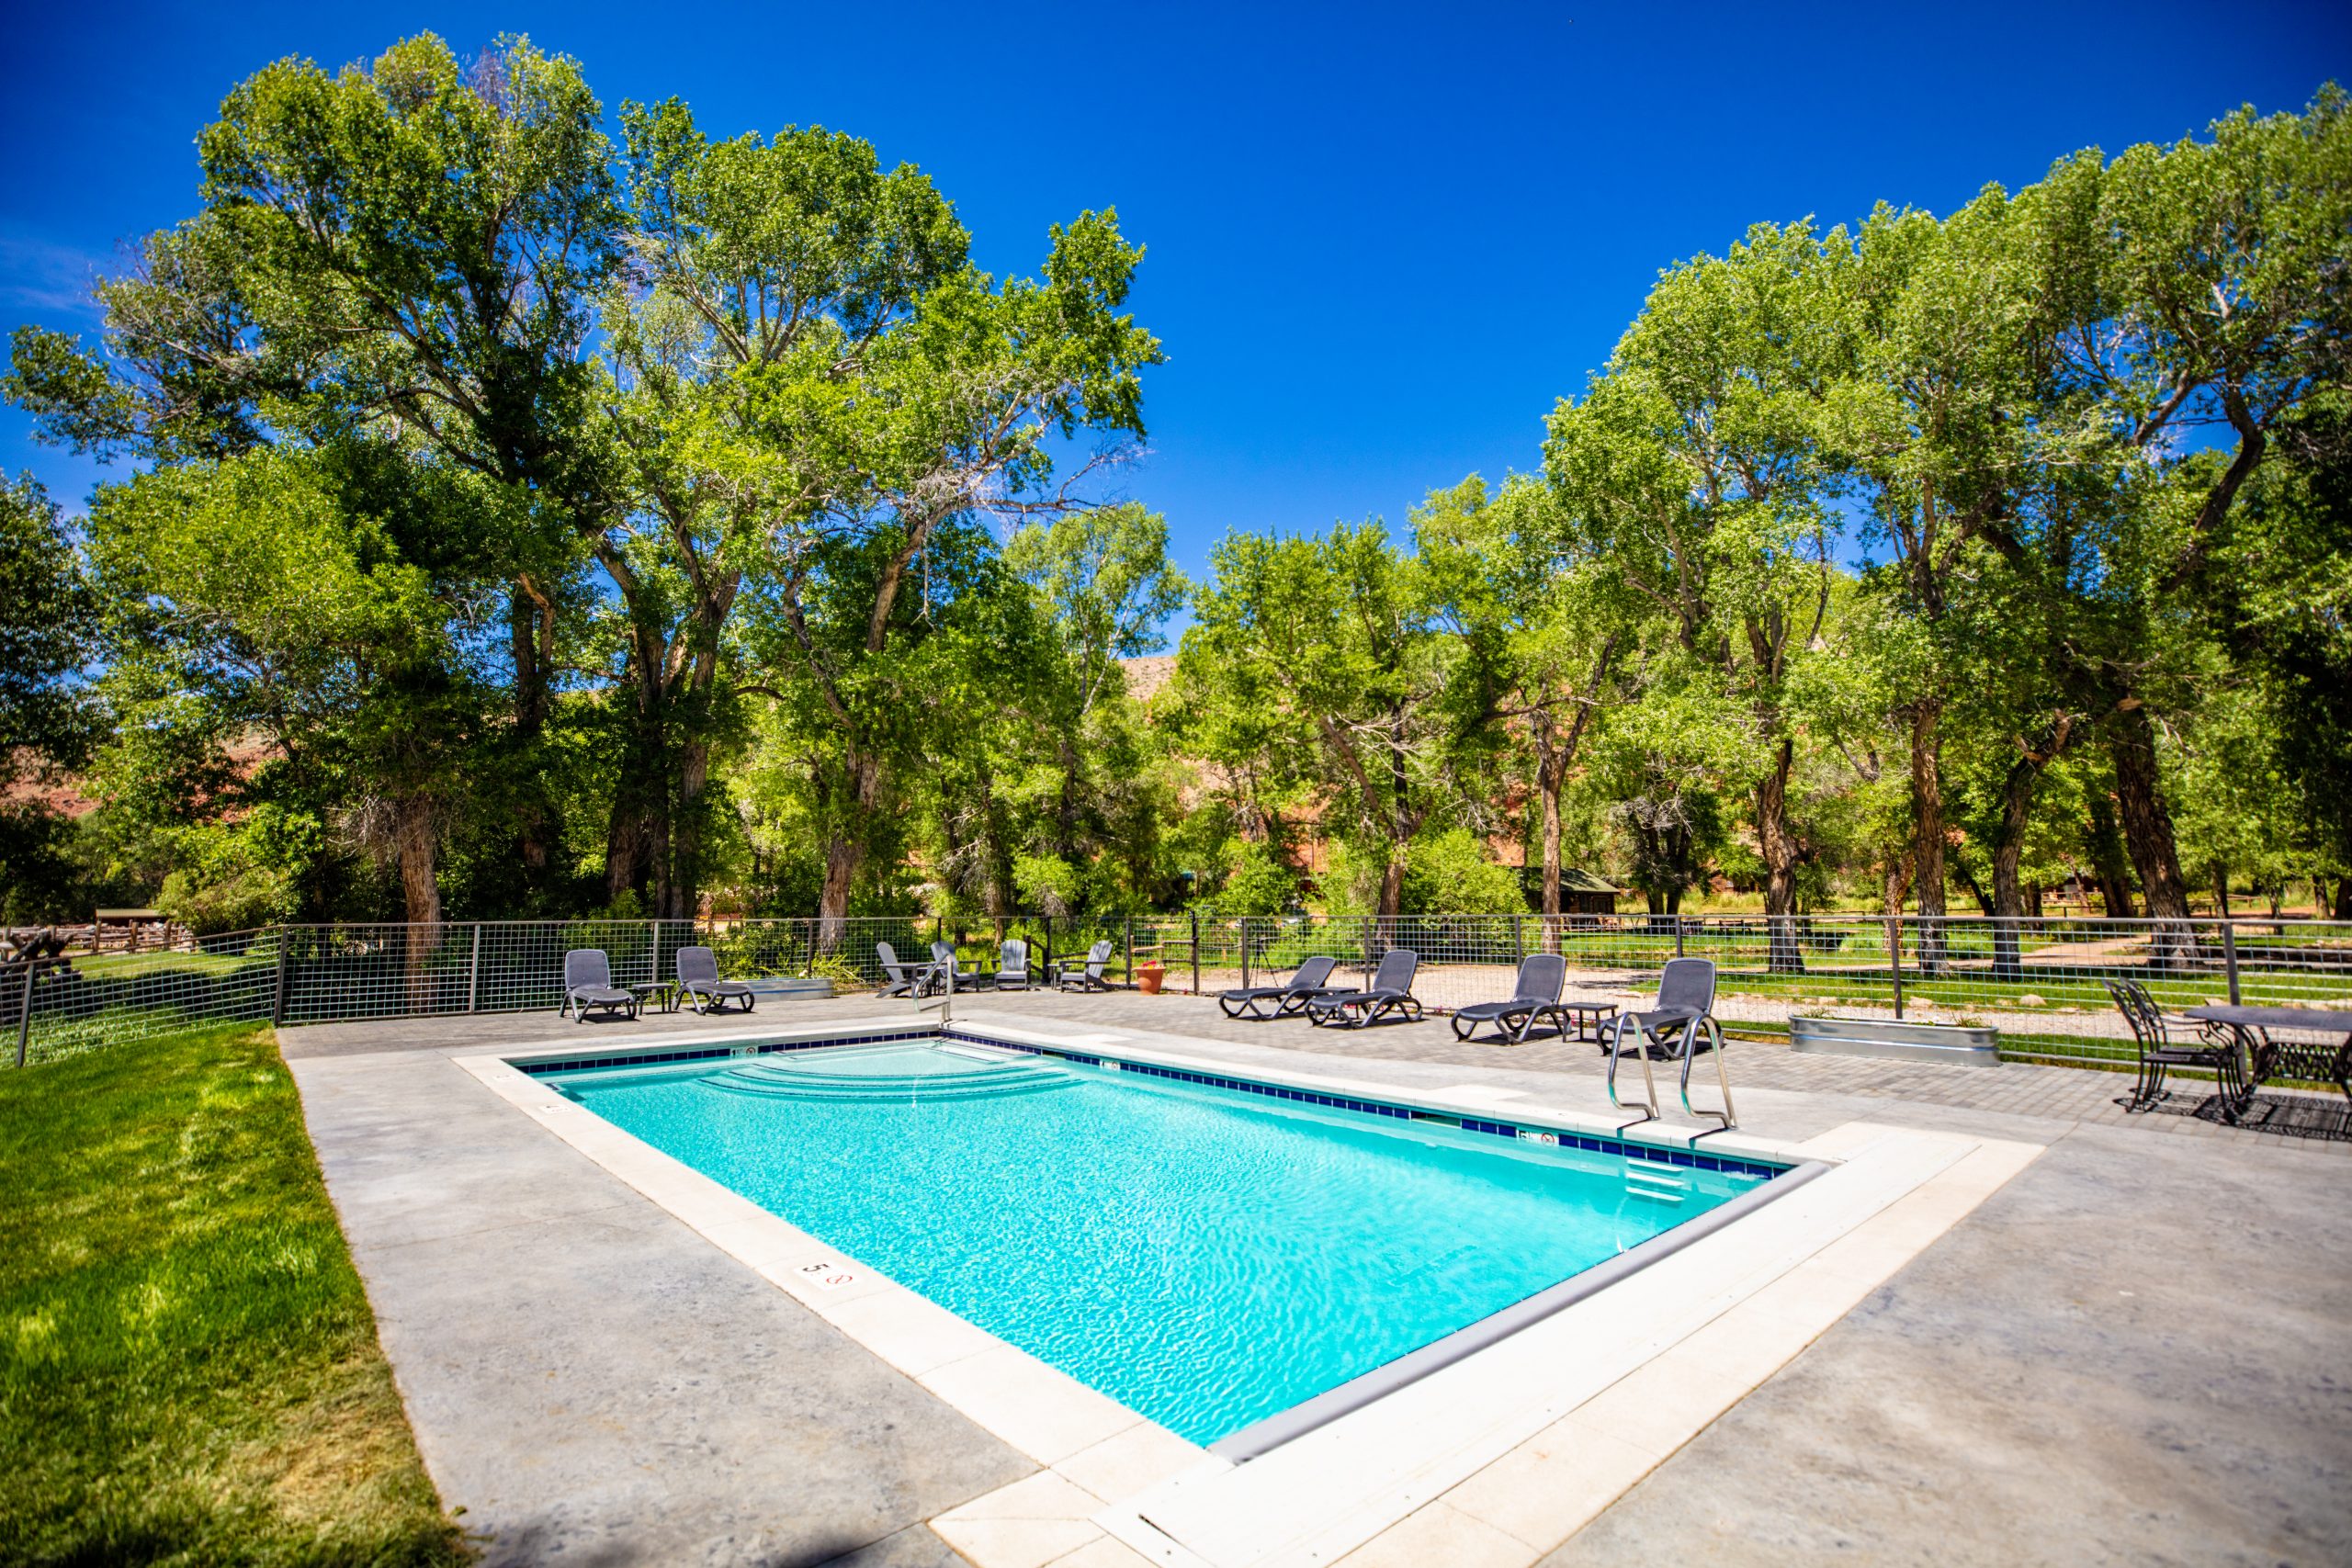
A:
{"points": [[2230, 958], [1894, 958], [1196, 951], [1130, 952], [1242, 923], [1677, 919], [473, 973], [277, 1000], [653, 951], [25, 1017]]}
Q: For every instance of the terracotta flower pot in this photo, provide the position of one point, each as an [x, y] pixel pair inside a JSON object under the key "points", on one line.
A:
{"points": [[1149, 977]]}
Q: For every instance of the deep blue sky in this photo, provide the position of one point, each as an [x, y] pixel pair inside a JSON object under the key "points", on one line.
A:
{"points": [[1382, 242]]}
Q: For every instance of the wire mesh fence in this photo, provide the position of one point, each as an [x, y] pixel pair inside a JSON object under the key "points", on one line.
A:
{"points": [[2039, 981]]}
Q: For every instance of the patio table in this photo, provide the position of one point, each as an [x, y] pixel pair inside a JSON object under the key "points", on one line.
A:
{"points": [[663, 994], [1589, 1019], [2259, 1058]]}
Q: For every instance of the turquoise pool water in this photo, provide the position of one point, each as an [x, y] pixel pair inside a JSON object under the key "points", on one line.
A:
{"points": [[1205, 1257]]}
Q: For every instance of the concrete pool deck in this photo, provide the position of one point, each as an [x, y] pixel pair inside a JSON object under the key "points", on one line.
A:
{"points": [[2129, 1351]]}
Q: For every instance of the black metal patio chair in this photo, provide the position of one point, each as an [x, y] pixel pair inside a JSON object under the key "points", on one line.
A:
{"points": [[1534, 995], [2155, 1031], [1312, 974]]}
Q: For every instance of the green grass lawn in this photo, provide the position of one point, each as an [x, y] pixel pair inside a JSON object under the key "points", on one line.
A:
{"points": [[129, 966], [188, 1368]]}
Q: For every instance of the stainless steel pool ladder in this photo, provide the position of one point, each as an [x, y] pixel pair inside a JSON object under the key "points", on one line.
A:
{"points": [[1649, 1081], [944, 1005]]}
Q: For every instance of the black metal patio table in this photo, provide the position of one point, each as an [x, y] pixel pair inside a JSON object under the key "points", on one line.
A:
{"points": [[663, 994], [2260, 1058]]}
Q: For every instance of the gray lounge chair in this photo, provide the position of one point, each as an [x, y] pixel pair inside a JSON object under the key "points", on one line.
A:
{"points": [[1090, 977], [1013, 966], [1681, 1025], [1312, 974], [1535, 995], [588, 983], [901, 979], [698, 978], [1391, 991]]}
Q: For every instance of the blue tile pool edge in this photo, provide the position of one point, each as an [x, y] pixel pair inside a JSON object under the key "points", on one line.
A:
{"points": [[1517, 1132]]}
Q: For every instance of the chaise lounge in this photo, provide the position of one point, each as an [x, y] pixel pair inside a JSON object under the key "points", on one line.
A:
{"points": [[698, 978], [588, 983], [1312, 974], [1534, 996], [1391, 991]]}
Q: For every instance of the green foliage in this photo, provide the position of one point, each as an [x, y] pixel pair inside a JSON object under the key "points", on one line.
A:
{"points": [[47, 626], [169, 1251], [1452, 873], [1256, 881], [1047, 884]]}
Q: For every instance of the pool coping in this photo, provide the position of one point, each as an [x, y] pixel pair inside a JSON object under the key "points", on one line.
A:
{"points": [[1344, 1478]]}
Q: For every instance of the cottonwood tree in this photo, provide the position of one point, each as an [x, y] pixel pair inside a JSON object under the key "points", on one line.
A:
{"points": [[958, 415], [1562, 637], [409, 253], [771, 282], [2186, 295], [1331, 648], [1691, 465], [258, 586], [1103, 587]]}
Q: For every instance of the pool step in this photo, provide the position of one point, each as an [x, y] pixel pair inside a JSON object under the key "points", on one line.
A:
{"points": [[1657, 1186], [778, 1079]]}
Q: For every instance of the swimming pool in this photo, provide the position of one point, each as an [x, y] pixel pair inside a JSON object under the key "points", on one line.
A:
{"points": [[1209, 1251]]}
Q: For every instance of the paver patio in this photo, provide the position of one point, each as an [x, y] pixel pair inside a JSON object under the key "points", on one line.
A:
{"points": [[2128, 1353]]}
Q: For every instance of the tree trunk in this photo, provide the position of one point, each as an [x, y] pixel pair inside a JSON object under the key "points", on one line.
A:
{"points": [[2008, 850], [1927, 832], [1779, 848], [634, 832], [531, 632], [2104, 839], [1547, 784], [2147, 834], [418, 843], [842, 851], [860, 789], [1897, 881], [682, 888], [2343, 911], [1392, 886]]}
